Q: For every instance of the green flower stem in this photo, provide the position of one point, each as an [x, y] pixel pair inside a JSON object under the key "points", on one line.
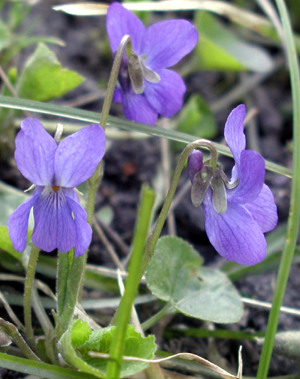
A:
{"points": [[70, 275], [132, 283], [293, 221], [30, 273], [113, 79], [94, 182], [166, 310], [152, 239]]}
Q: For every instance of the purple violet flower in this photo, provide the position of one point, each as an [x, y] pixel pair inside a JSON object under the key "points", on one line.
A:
{"points": [[146, 87], [245, 206], [59, 219]]}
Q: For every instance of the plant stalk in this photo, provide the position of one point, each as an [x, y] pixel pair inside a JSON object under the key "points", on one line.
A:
{"points": [[293, 220], [69, 290], [132, 283], [30, 273]]}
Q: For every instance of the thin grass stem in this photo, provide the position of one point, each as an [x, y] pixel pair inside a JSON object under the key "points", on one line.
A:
{"points": [[293, 220], [132, 282]]}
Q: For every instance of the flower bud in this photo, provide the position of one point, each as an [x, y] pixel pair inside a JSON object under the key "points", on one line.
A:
{"points": [[194, 164]]}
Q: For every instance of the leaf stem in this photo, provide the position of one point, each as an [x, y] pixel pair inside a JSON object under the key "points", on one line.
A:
{"points": [[293, 220], [166, 310], [94, 182], [30, 273]]}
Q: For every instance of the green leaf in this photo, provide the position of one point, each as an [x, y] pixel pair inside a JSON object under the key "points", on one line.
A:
{"points": [[288, 344], [135, 345], [80, 333], [196, 118], [43, 77], [40, 369], [174, 275], [100, 341], [220, 49], [6, 245], [21, 41]]}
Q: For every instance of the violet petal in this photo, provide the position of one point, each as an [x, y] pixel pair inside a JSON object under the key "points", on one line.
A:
{"points": [[167, 42], [234, 131], [54, 226], [119, 22], [18, 224], [136, 108], [83, 229], [78, 155], [166, 96], [35, 150], [251, 178], [234, 234], [263, 209], [117, 97]]}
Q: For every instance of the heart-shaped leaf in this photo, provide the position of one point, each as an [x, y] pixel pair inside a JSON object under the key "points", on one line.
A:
{"points": [[43, 77], [77, 342], [174, 275]]}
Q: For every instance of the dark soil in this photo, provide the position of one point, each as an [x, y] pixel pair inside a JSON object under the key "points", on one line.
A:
{"points": [[129, 164]]}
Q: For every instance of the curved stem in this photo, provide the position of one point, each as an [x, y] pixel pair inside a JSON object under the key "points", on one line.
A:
{"points": [[113, 79], [68, 288], [30, 273], [96, 179], [152, 239]]}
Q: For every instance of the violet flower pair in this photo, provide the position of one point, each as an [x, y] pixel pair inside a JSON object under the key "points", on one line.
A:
{"points": [[55, 169], [237, 213], [236, 229]]}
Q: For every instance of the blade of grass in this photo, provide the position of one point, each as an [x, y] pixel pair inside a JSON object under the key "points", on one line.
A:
{"points": [[293, 220], [132, 282], [93, 117], [12, 331], [40, 369]]}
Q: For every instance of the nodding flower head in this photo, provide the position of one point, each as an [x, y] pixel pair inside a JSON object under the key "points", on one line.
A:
{"points": [[237, 211], [146, 87], [55, 169]]}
